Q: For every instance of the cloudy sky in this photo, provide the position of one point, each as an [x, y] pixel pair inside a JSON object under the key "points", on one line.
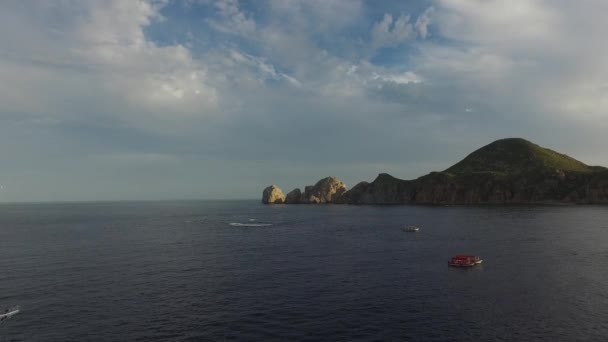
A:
{"points": [[126, 99]]}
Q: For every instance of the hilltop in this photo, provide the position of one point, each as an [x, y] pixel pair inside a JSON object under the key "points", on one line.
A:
{"points": [[515, 156], [511, 170]]}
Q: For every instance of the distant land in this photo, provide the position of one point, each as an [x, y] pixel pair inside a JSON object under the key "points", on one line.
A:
{"points": [[507, 171]]}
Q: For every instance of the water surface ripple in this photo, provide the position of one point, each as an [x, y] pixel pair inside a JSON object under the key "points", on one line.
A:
{"points": [[179, 271]]}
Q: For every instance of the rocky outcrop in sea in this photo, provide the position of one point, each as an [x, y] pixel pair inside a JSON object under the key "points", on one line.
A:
{"points": [[273, 195], [326, 190], [294, 196]]}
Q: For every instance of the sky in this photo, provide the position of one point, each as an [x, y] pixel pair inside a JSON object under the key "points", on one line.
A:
{"points": [[206, 99]]}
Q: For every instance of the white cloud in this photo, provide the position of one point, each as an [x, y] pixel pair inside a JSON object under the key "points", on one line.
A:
{"points": [[399, 78], [423, 22], [390, 33], [263, 69], [327, 72], [516, 22], [233, 19], [102, 54], [541, 55]]}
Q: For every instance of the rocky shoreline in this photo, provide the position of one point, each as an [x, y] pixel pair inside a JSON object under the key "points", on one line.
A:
{"points": [[507, 171], [326, 190]]}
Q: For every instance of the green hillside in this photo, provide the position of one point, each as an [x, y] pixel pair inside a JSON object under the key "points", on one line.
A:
{"points": [[514, 156], [507, 171]]}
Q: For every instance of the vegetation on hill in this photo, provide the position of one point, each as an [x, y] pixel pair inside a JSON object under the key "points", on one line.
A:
{"points": [[510, 170], [514, 156]]}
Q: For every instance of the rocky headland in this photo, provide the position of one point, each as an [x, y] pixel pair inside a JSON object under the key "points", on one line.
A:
{"points": [[327, 190], [507, 171]]}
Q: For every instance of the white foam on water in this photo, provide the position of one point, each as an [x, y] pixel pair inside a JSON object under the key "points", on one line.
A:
{"points": [[238, 224]]}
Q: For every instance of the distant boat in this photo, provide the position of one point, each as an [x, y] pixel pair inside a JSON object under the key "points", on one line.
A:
{"points": [[410, 229], [9, 313], [464, 261]]}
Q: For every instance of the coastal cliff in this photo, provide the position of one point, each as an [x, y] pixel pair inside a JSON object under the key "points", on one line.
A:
{"points": [[506, 171]]}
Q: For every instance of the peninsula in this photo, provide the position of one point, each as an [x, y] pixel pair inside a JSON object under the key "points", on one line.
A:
{"points": [[507, 171]]}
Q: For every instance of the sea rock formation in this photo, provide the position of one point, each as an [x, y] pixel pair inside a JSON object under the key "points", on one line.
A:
{"points": [[327, 190], [294, 196], [506, 171], [273, 195]]}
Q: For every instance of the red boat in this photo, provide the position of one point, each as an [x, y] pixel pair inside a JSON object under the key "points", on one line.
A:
{"points": [[464, 261]]}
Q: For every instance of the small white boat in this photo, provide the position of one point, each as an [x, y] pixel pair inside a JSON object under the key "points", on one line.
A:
{"points": [[410, 229], [9, 313]]}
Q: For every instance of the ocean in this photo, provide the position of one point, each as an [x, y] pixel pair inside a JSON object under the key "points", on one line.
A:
{"points": [[243, 271]]}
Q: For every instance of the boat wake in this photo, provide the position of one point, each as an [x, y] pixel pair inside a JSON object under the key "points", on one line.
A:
{"points": [[9, 313], [238, 224]]}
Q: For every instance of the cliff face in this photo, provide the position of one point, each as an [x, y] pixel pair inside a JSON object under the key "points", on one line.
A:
{"points": [[293, 197], [273, 195], [505, 171], [327, 190]]}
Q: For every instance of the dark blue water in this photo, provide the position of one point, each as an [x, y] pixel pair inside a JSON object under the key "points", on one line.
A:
{"points": [[178, 271]]}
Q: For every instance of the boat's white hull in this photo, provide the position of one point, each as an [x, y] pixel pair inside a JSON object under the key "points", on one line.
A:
{"points": [[460, 265], [457, 264]]}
